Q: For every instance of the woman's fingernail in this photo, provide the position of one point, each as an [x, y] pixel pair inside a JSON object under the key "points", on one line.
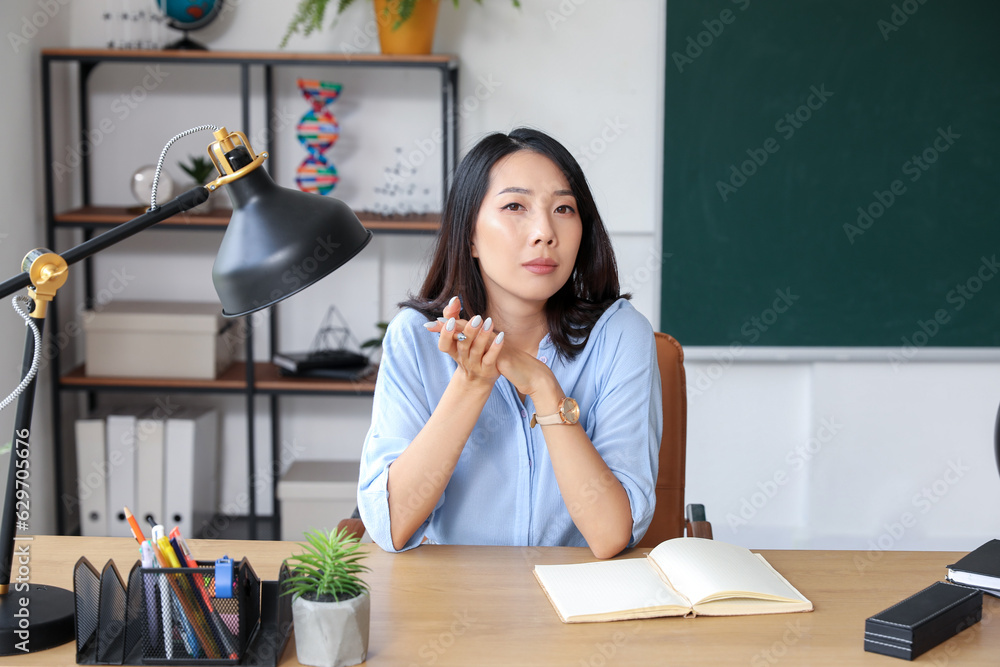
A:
{"points": [[453, 300], [476, 321], [430, 325], [451, 325], [442, 320], [499, 339], [488, 324]]}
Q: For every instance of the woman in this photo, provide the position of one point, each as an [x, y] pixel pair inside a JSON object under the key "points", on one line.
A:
{"points": [[519, 320]]}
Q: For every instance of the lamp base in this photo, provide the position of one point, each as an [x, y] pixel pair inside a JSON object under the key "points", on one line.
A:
{"points": [[46, 621]]}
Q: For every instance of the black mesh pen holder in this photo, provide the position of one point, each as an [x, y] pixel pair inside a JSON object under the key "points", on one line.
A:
{"points": [[138, 625], [185, 622]]}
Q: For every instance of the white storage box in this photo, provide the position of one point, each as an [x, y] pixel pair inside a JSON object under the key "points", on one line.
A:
{"points": [[158, 339], [317, 495]]}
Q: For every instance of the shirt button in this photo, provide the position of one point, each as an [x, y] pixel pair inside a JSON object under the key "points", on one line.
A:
{"points": [[543, 359], [524, 413]]}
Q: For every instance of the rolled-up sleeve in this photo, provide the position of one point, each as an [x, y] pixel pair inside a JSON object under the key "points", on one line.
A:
{"points": [[627, 416], [400, 410]]}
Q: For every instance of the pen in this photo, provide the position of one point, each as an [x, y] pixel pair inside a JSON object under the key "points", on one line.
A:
{"points": [[185, 595], [165, 608], [146, 551], [134, 525], [221, 630], [172, 605]]}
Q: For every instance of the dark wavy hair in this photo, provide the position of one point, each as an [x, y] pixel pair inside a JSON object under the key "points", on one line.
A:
{"points": [[590, 290]]}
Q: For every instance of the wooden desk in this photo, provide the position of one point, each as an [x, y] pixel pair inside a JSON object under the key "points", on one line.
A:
{"points": [[482, 606]]}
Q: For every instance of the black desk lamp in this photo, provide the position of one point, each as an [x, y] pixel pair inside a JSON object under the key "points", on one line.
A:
{"points": [[278, 242]]}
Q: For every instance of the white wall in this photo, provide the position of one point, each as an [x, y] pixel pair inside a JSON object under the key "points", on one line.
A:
{"points": [[783, 454]]}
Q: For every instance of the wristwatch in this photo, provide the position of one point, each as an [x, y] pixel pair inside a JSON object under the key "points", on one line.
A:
{"points": [[569, 413]]}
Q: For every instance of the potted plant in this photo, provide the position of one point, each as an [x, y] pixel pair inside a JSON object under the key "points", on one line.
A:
{"points": [[331, 607], [201, 170], [405, 27], [376, 343]]}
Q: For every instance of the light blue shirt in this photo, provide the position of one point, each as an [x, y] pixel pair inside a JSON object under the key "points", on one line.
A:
{"points": [[503, 490]]}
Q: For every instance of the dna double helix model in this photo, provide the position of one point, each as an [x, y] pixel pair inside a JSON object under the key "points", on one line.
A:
{"points": [[317, 131]]}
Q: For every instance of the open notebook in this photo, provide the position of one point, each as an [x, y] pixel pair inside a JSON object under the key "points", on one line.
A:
{"points": [[687, 576]]}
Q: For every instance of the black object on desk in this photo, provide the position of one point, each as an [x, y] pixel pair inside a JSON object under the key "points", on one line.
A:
{"points": [[980, 568], [924, 620]]}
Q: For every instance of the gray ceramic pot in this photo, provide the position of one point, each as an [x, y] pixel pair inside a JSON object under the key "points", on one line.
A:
{"points": [[332, 634]]}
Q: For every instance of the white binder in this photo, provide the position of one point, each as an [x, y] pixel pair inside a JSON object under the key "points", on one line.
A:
{"points": [[149, 467], [91, 478], [121, 449], [190, 451]]}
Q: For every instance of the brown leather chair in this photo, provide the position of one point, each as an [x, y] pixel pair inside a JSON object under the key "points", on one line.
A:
{"points": [[669, 519]]}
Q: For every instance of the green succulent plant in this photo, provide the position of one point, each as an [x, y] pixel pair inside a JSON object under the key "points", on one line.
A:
{"points": [[328, 570], [199, 168], [377, 341], [309, 15]]}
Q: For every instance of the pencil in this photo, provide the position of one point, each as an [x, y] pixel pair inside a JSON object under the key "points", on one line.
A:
{"points": [[134, 525]]}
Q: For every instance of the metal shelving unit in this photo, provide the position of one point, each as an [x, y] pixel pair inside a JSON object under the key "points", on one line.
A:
{"points": [[247, 379]]}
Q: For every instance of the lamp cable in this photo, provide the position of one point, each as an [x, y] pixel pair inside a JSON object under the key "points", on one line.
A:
{"points": [[163, 155], [36, 359]]}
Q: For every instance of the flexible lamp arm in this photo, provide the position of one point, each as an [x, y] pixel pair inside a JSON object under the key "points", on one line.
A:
{"points": [[178, 204]]}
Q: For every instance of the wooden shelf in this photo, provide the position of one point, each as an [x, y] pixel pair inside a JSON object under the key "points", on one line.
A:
{"points": [[267, 379], [108, 216]]}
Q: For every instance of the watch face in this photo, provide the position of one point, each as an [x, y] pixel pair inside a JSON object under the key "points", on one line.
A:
{"points": [[142, 185], [570, 411]]}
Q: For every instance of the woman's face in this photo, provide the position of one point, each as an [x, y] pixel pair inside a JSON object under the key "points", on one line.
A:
{"points": [[527, 232]]}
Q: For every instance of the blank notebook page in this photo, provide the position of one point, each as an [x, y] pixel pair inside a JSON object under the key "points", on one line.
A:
{"points": [[698, 568], [582, 589]]}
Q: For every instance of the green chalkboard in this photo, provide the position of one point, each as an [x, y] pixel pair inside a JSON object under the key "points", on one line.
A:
{"points": [[832, 173]]}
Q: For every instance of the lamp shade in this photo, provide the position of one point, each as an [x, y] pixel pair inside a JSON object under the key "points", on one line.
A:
{"points": [[279, 241]]}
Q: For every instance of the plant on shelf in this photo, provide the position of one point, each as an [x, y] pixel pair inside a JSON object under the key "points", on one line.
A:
{"points": [[405, 27], [377, 341], [201, 170], [331, 608]]}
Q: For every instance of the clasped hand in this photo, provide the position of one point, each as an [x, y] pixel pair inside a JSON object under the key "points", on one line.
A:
{"points": [[481, 354]]}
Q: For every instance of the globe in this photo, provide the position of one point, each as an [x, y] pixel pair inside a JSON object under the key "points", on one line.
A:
{"points": [[189, 15]]}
